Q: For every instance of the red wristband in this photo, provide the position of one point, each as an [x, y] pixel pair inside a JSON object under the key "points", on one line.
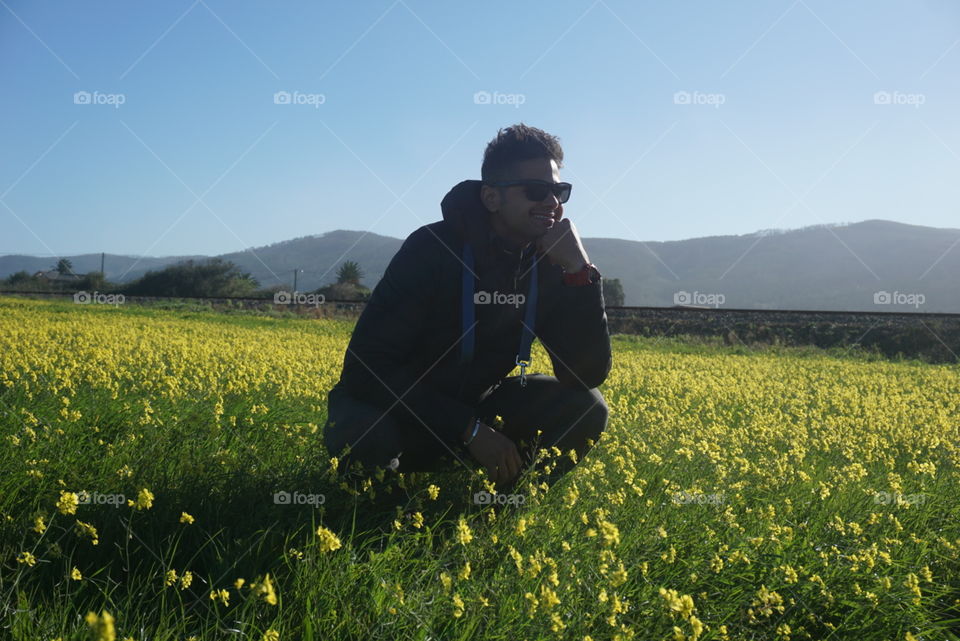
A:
{"points": [[586, 276]]}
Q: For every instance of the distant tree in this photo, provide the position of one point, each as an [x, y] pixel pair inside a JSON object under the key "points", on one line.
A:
{"points": [[344, 291], [192, 279], [349, 272], [64, 266], [19, 278], [95, 281], [612, 292]]}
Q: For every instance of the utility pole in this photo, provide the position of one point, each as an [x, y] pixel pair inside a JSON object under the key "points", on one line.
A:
{"points": [[295, 279], [102, 255]]}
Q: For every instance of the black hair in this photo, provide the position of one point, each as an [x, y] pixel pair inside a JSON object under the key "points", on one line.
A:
{"points": [[514, 144]]}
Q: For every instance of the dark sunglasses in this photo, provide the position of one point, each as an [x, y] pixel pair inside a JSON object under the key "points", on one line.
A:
{"points": [[537, 190]]}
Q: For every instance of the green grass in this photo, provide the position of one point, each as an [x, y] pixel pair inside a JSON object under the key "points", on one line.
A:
{"points": [[794, 444]]}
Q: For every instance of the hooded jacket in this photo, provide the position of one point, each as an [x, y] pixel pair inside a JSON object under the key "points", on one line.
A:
{"points": [[404, 354]]}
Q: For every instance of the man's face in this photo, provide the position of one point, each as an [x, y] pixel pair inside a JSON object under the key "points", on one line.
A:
{"points": [[513, 216]]}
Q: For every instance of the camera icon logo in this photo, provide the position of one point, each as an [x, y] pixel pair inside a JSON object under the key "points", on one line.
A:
{"points": [[882, 98], [481, 298], [681, 298], [81, 98], [881, 298], [681, 98], [81, 298], [281, 298], [281, 98], [281, 498], [481, 98]]}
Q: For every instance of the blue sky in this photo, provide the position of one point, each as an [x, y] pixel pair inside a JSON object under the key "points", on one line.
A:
{"points": [[780, 125]]}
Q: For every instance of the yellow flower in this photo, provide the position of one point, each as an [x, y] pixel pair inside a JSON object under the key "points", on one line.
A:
{"points": [[464, 535], [417, 520], [186, 518], [39, 526], [26, 557], [239, 583], [433, 492], [328, 540], [101, 626], [271, 635], [457, 606], [144, 500], [265, 589], [85, 528], [222, 595], [75, 574], [186, 579], [465, 572], [68, 502], [170, 578]]}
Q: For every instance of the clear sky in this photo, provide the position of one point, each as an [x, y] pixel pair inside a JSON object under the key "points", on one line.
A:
{"points": [[780, 125]]}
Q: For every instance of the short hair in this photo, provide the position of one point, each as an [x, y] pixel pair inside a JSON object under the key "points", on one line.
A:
{"points": [[515, 144]]}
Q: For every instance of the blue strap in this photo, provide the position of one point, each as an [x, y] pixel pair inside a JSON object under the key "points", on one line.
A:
{"points": [[530, 316], [468, 313]]}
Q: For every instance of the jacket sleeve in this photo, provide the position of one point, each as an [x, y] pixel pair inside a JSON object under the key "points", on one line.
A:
{"points": [[576, 337], [378, 363]]}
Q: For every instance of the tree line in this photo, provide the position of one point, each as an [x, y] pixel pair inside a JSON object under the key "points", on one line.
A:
{"points": [[210, 278]]}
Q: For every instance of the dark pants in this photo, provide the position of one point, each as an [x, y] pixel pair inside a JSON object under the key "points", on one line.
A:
{"points": [[567, 417]]}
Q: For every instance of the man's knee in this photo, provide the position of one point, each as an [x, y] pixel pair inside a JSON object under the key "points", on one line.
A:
{"points": [[588, 415], [596, 415]]}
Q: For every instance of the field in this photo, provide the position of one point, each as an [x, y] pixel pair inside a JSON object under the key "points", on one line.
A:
{"points": [[163, 477]]}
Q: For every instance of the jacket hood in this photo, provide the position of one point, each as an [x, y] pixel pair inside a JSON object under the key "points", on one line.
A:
{"points": [[463, 210]]}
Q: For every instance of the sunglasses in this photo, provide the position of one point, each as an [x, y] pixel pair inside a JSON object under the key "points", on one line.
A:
{"points": [[537, 190]]}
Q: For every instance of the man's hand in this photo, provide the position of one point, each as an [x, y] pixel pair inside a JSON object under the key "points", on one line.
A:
{"points": [[562, 245], [497, 453]]}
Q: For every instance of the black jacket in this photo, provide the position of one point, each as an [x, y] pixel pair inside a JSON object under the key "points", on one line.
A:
{"points": [[406, 342]]}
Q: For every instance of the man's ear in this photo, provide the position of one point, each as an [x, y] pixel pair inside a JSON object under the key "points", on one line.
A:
{"points": [[490, 198]]}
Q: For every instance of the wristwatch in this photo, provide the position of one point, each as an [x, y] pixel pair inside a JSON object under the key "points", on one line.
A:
{"points": [[586, 276]]}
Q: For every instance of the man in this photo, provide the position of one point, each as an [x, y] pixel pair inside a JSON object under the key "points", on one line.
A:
{"points": [[423, 374]]}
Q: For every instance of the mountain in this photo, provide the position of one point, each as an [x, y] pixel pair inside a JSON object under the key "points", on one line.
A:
{"points": [[825, 267]]}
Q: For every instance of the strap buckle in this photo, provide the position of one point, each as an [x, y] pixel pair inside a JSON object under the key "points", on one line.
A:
{"points": [[524, 364]]}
